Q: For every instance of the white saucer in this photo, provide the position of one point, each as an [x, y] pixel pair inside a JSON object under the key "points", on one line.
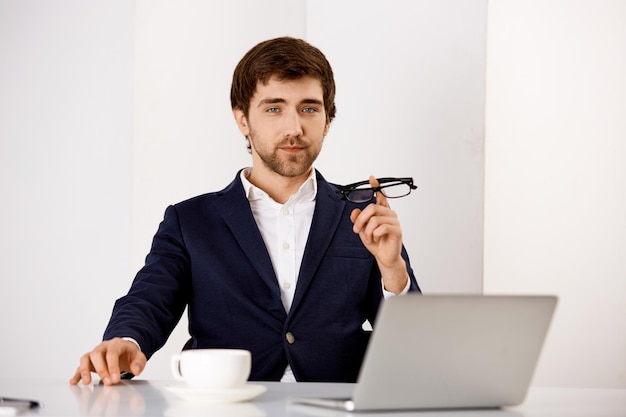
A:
{"points": [[217, 396]]}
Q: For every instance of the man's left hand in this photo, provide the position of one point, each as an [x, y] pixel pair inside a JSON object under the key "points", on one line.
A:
{"points": [[379, 229]]}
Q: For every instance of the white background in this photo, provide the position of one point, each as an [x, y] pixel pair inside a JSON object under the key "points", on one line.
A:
{"points": [[111, 110], [555, 184]]}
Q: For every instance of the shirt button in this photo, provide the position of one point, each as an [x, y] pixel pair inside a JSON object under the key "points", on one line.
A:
{"points": [[285, 245], [285, 212], [290, 338], [286, 285]]}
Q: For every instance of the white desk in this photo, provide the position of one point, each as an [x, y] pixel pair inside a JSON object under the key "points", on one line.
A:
{"points": [[151, 398]]}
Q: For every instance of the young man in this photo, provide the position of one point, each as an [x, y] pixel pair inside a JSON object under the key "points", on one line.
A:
{"points": [[277, 262]]}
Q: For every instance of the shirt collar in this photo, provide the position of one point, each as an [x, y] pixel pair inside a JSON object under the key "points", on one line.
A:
{"points": [[306, 192]]}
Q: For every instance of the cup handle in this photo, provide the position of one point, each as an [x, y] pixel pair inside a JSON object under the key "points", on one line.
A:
{"points": [[175, 366]]}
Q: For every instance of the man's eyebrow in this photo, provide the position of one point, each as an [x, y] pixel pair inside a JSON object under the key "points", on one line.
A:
{"points": [[271, 101], [282, 100], [312, 101]]}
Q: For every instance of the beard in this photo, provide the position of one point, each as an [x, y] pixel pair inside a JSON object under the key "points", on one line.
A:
{"points": [[286, 165]]}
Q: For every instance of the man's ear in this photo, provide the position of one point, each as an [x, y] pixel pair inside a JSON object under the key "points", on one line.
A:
{"points": [[242, 122], [327, 126]]}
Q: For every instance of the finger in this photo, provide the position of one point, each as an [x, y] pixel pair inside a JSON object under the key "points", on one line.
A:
{"points": [[359, 219], [78, 376], [384, 230], [139, 363], [372, 230], [354, 215], [113, 366], [100, 365], [381, 200], [362, 218], [131, 358], [381, 223], [85, 368]]}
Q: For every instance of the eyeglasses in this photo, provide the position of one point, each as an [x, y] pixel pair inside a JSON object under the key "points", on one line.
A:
{"points": [[389, 187]]}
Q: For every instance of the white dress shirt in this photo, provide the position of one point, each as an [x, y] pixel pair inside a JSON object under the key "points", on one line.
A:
{"points": [[285, 230]]}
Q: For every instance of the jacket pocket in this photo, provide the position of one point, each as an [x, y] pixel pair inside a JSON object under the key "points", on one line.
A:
{"points": [[348, 252]]}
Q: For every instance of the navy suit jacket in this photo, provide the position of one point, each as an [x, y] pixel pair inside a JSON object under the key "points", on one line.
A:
{"points": [[208, 254]]}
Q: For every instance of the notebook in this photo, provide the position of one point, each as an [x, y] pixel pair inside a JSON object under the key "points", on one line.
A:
{"points": [[449, 352]]}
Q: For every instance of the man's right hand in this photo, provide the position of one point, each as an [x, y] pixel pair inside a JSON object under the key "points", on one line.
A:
{"points": [[108, 360]]}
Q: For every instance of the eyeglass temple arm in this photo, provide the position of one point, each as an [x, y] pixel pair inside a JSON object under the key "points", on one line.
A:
{"points": [[405, 180]]}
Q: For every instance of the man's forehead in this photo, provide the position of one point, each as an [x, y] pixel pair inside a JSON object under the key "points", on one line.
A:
{"points": [[307, 82]]}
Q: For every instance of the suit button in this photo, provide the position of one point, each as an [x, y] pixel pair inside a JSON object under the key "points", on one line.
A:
{"points": [[290, 338]]}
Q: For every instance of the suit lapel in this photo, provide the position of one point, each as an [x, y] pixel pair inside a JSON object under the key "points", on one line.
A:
{"points": [[235, 210], [328, 210]]}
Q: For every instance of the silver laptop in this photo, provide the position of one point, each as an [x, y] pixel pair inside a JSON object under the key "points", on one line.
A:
{"points": [[449, 352]]}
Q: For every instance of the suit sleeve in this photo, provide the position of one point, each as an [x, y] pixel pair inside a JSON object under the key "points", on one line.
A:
{"points": [[159, 293]]}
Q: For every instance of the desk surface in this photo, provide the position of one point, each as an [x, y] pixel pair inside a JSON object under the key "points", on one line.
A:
{"points": [[153, 398]]}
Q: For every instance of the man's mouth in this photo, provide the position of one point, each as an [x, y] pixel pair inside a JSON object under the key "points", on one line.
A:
{"points": [[291, 149]]}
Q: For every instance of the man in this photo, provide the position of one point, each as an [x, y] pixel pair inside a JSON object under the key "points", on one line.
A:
{"points": [[276, 263]]}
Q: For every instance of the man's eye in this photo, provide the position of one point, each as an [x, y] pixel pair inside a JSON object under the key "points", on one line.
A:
{"points": [[273, 110], [309, 110]]}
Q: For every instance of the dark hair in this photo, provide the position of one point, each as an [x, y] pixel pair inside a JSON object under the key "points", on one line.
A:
{"points": [[286, 58]]}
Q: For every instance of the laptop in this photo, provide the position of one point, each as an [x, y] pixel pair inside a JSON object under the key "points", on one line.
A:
{"points": [[449, 352]]}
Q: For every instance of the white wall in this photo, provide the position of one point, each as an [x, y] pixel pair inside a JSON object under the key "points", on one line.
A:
{"points": [[65, 134], [555, 193], [87, 174]]}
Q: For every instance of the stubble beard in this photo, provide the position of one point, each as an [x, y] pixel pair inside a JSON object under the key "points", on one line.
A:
{"points": [[287, 165]]}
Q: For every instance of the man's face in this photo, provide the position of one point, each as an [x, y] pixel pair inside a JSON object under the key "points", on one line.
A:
{"points": [[286, 126]]}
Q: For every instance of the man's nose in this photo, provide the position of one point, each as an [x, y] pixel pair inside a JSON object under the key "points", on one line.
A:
{"points": [[293, 125]]}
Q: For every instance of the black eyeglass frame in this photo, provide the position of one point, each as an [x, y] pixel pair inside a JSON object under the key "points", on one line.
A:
{"points": [[345, 190]]}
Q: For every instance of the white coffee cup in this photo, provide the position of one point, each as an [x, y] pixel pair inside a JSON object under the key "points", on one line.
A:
{"points": [[212, 368]]}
